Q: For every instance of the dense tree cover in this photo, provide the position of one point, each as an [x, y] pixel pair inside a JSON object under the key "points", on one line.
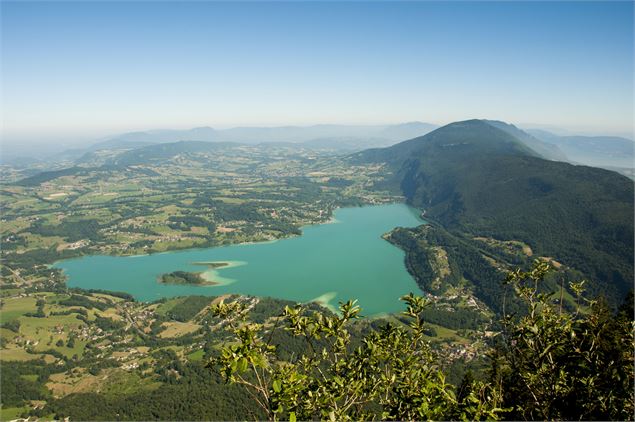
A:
{"points": [[46, 176], [72, 231], [339, 182], [188, 308], [583, 220], [82, 314], [390, 375], [186, 222], [13, 242], [32, 261], [182, 277], [12, 325], [192, 393], [100, 364], [459, 318], [549, 364], [83, 301], [108, 324], [267, 308], [17, 389], [544, 149], [464, 259], [477, 180], [123, 295]]}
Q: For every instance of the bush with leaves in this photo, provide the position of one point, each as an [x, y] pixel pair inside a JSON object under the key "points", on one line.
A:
{"points": [[390, 375], [548, 363], [553, 364]]}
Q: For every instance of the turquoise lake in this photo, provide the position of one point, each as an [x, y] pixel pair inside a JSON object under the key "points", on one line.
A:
{"points": [[345, 259]]}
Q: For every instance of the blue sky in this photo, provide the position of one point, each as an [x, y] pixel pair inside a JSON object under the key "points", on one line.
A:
{"points": [[82, 70]]}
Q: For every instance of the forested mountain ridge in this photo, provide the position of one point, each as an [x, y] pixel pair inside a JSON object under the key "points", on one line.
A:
{"points": [[610, 152], [544, 149], [477, 180], [463, 137]]}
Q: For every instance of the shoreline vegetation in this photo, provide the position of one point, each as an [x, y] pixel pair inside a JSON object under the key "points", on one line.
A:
{"points": [[131, 254], [185, 277]]}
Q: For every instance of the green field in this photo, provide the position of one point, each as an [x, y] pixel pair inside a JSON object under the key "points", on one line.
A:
{"points": [[11, 413], [16, 307], [196, 356]]}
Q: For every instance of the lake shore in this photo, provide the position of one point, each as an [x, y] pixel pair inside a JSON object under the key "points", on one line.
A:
{"points": [[212, 277], [328, 263]]}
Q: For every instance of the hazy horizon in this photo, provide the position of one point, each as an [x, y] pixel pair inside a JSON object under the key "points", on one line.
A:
{"points": [[61, 143], [78, 72]]}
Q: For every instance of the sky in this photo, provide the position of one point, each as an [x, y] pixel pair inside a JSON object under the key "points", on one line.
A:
{"points": [[84, 70]]}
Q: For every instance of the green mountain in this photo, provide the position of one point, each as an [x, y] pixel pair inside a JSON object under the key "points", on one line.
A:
{"points": [[159, 153], [543, 148], [96, 171], [476, 180]]}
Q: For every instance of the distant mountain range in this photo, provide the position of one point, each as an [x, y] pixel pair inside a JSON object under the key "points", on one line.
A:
{"points": [[335, 136], [610, 152], [613, 153], [484, 178], [320, 137]]}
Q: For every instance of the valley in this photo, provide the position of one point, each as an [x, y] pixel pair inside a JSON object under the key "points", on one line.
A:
{"points": [[97, 354], [63, 340], [182, 199], [317, 211], [111, 265], [327, 263]]}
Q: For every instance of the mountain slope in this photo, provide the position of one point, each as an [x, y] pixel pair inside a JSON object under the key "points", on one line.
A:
{"points": [[544, 149], [599, 151], [460, 139], [154, 154], [477, 180]]}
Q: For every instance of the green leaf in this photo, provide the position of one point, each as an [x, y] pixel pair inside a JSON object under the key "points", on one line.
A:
{"points": [[242, 365]]}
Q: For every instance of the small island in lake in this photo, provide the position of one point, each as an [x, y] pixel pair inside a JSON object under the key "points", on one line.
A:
{"points": [[214, 264], [184, 277]]}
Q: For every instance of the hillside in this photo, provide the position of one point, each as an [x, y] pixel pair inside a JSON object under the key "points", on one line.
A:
{"points": [[544, 149], [157, 153], [610, 152], [476, 180]]}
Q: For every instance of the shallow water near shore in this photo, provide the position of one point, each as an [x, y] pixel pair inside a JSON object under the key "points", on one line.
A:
{"points": [[328, 263]]}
